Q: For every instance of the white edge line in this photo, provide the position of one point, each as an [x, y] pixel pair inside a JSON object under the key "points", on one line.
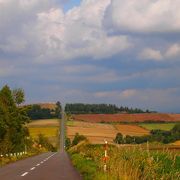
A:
{"points": [[32, 168]]}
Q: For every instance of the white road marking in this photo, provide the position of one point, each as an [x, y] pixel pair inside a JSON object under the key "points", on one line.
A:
{"points": [[24, 174]]}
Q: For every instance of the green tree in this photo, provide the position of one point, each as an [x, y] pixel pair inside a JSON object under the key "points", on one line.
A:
{"points": [[12, 120], [18, 95], [78, 138], [119, 138]]}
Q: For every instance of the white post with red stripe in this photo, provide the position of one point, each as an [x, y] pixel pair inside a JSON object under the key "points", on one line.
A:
{"points": [[105, 156]]}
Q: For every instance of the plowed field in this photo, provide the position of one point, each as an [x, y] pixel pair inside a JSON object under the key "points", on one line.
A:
{"points": [[146, 117]]}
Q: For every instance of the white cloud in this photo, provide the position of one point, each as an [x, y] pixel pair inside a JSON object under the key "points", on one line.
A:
{"points": [[46, 32], [150, 54], [173, 51], [145, 16]]}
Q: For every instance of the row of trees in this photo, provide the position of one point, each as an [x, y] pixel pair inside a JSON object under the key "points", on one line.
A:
{"points": [[80, 108], [13, 133], [35, 111], [155, 136]]}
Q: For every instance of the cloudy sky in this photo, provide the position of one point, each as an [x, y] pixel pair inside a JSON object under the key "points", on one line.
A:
{"points": [[93, 51]]}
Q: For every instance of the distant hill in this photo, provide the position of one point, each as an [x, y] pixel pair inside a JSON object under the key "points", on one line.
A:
{"points": [[51, 106], [144, 117]]}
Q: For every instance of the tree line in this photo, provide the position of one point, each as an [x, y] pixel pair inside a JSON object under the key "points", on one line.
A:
{"points": [[80, 108], [155, 136], [35, 112]]}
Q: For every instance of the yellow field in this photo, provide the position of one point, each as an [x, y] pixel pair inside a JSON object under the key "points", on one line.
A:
{"points": [[49, 128], [44, 123], [46, 131]]}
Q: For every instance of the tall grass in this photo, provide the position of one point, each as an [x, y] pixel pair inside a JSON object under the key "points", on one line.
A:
{"points": [[130, 163]]}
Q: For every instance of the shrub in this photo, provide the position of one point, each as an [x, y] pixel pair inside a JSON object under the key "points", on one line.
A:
{"points": [[77, 139]]}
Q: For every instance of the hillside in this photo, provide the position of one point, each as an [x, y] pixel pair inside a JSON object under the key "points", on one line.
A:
{"points": [[51, 106], [145, 117]]}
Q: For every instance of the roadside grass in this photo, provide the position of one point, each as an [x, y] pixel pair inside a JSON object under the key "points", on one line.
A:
{"points": [[161, 126], [128, 163]]}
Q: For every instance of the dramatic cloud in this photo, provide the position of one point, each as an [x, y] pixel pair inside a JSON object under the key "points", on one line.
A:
{"points": [[113, 51], [145, 16]]}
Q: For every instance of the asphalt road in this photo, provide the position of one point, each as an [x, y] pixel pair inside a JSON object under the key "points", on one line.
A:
{"points": [[47, 166]]}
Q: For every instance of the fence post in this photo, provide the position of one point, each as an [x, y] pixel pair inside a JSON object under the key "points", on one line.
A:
{"points": [[105, 156]]}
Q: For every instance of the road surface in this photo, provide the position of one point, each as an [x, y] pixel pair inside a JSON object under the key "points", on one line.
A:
{"points": [[47, 166]]}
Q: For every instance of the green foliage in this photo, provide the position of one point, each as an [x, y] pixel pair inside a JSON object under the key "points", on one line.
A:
{"points": [[127, 163], [156, 135], [67, 143], [18, 95], [36, 112], [79, 108], [119, 138], [58, 110], [78, 138], [44, 142], [86, 167], [12, 120]]}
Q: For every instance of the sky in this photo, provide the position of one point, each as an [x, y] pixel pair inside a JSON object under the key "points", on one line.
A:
{"points": [[93, 51]]}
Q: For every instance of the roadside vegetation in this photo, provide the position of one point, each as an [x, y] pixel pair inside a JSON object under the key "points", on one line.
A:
{"points": [[16, 141], [156, 135], [128, 163]]}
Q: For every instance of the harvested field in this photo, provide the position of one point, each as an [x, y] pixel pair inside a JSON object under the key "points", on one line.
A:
{"points": [[96, 133], [132, 130], [130, 118], [44, 122]]}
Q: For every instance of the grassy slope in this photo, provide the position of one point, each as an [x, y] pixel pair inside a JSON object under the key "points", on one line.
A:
{"points": [[125, 163], [162, 126]]}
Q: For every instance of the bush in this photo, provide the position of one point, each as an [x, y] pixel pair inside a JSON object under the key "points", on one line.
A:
{"points": [[67, 143], [119, 138], [78, 138], [44, 142]]}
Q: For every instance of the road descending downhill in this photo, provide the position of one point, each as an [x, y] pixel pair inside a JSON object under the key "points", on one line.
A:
{"points": [[47, 166]]}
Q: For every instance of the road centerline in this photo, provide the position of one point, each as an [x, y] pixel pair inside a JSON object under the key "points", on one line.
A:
{"points": [[24, 174]]}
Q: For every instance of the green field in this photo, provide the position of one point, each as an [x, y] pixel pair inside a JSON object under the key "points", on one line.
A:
{"points": [[161, 126]]}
